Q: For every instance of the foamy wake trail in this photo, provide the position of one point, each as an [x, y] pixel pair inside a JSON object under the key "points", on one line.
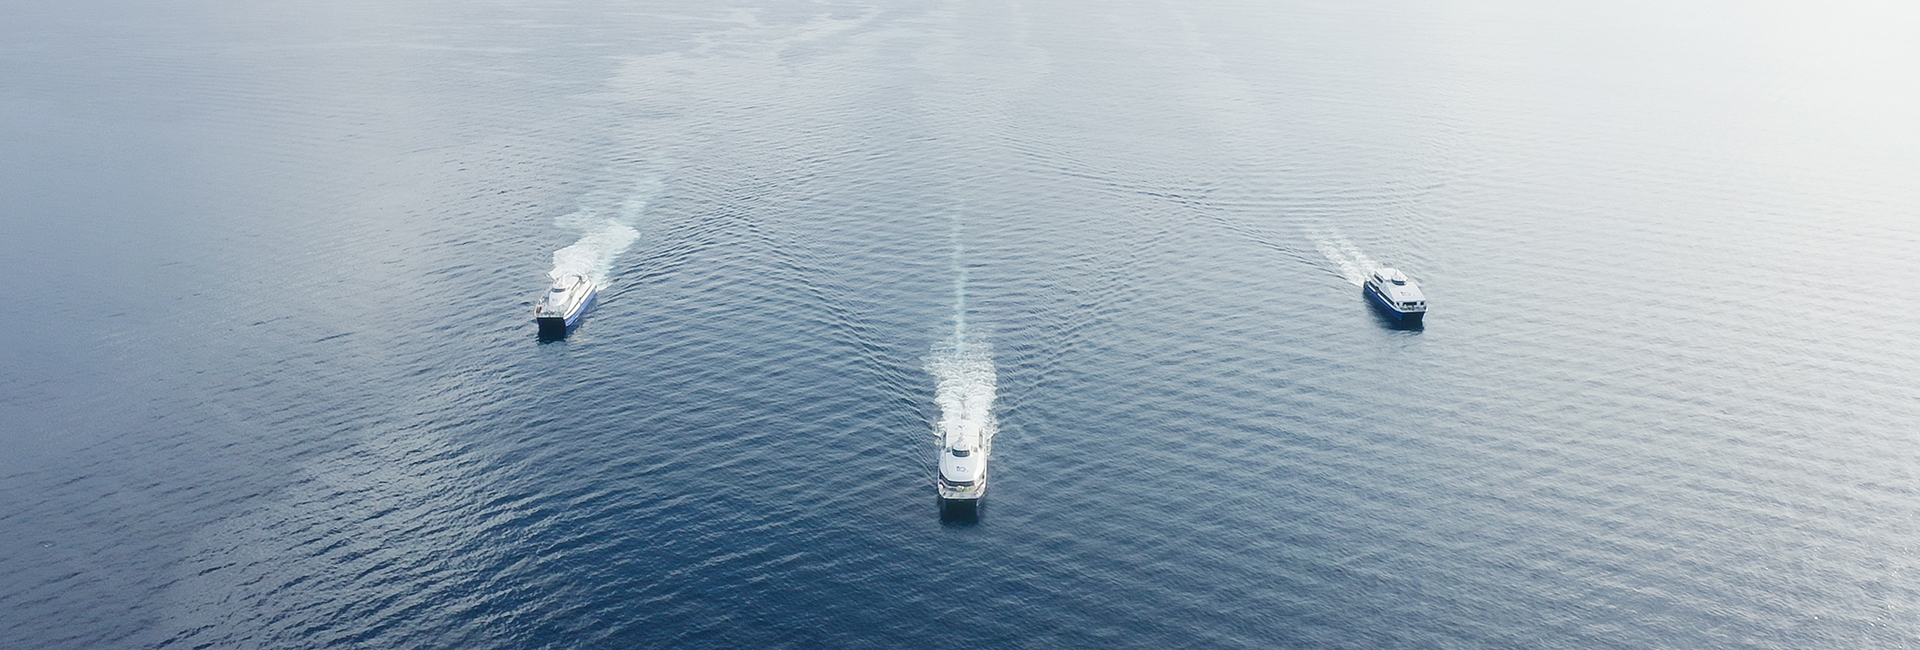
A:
{"points": [[964, 385], [963, 374], [607, 226], [1353, 264]]}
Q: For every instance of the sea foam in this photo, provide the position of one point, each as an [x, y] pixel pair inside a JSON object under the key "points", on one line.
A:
{"points": [[608, 225]]}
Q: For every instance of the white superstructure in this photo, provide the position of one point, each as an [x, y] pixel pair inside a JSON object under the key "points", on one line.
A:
{"points": [[563, 304], [963, 463], [1392, 291]]}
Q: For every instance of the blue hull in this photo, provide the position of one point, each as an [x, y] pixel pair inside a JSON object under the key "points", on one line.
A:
{"points": [[1385, 308]]}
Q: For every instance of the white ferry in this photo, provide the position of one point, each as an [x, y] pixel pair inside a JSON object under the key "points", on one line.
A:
{"points": [[1399, 297], [963, 465], [560, 309]]}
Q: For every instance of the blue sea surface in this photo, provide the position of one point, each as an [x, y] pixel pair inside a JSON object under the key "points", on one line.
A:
{"points": [[271, 380]]}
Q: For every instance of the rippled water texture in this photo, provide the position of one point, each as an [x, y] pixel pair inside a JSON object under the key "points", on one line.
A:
{"points": [[271, 379]]}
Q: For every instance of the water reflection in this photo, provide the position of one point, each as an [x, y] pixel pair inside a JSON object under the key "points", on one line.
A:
{"points": [[551, 334], [960, 513]]}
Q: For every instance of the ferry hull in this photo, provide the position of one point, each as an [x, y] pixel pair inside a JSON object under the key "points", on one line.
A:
{"points": [[1381, 305], [553, 327], [962, 512]]}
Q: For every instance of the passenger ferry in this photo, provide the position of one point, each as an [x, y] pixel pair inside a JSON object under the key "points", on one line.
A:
{"points": [[560, 309], [963, 464], [1390, 290]]}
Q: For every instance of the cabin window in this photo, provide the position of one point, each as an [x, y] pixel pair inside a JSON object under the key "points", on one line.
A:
{"points": [[962, 453]]}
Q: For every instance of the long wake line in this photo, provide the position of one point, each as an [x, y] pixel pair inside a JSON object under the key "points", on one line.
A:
{"points": [[963, 373], [959, 290]]}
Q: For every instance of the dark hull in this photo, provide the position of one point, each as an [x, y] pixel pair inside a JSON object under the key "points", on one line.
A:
{"points": [[965, 512], [552, 328], [1386, 309], [555, 327]]}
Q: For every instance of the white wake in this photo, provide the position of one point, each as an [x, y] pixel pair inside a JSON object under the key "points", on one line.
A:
{"points": [[1352, 264], [608, 225], [964, 388], [963, 376]]}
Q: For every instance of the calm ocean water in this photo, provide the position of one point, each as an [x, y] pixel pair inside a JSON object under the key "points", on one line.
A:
{"points": [[271, 380]]}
